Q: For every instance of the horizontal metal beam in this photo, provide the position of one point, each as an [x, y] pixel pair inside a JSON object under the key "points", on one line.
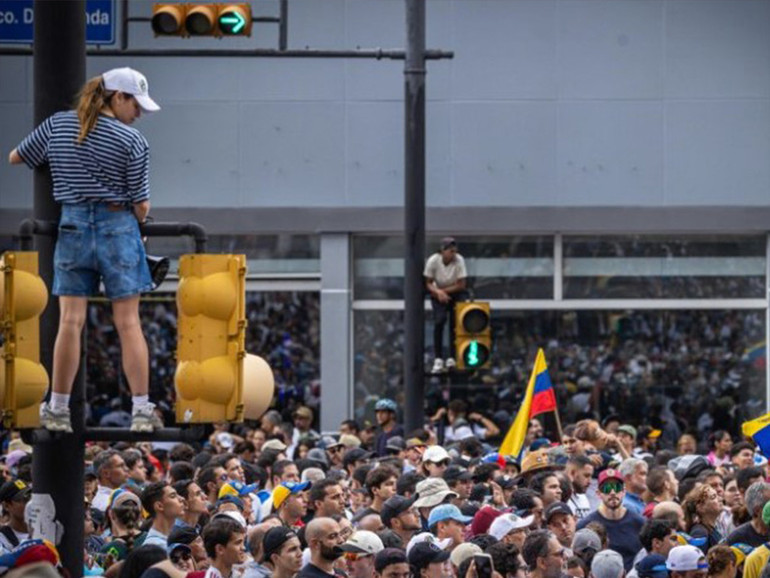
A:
{"points": [[581, 304], [113, 434], [375, 53]]}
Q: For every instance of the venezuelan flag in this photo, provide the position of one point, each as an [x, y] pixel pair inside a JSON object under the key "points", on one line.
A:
{"points": [[756, 355], [759, 430], [539, 398]]}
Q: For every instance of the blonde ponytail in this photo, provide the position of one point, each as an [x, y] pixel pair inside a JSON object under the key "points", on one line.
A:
{"points": [[92, 99]]}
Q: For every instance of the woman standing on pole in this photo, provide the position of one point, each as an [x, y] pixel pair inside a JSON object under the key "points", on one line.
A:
{"points": [[100, 171]]}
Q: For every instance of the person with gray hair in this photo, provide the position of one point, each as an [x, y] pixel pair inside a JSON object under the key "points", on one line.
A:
{"points": [[755, 532], [634, 472], [111, 473]]}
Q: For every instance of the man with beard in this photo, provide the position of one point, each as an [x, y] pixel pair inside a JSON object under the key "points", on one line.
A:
{"points": [[385, 412], [623, 526], [399, 515], [579, 470], [544, 555], [324, 540]]}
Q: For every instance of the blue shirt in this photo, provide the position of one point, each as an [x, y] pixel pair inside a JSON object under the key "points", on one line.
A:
{"points": [[634, 503], [111, 165], [623, 534]]}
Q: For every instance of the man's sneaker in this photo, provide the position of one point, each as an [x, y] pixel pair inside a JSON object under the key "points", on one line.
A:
{"points": [[450, 363], [55, 419], [438, 366], [144, 420]]}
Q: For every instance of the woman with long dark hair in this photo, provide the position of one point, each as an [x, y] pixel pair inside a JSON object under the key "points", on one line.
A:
{"points": [[100, 171]]}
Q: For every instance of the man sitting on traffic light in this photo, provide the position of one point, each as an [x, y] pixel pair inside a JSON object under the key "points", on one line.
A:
{"points": [[445, 276]]}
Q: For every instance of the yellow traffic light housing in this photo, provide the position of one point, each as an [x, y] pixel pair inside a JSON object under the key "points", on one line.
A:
{"points": [[169, 19], [202, 19], [211, 336], [23, 379], [473, 334]]}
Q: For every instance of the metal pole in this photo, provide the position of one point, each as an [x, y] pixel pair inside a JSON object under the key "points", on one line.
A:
{"points": [[59, 64], [414, 215]]}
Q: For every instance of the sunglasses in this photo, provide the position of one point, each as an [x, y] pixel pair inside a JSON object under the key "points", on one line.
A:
{"points": [[612, 486], [182, 556], [353, 556]]}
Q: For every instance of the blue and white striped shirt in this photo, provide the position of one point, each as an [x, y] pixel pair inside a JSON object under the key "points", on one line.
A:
{"points": [[111, 165]]}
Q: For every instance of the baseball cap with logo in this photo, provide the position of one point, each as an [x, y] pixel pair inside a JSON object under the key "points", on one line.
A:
{"points": [[426, 537], [424, 554], [363, 542], [535, 461], [684, 558], [236, 488], [14, 490], [610, 474], [130, 81], [285, 489]]}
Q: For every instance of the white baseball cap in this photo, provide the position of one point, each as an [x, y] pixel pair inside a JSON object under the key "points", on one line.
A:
{"points": [[507, 523], [435, 454], [131, 82], [427, 537], [684, 558], [363, 542]]}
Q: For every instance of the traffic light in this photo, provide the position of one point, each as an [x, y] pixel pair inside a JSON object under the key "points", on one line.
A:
{"points": [[23, 380], [211, 335], [473, 334], [201, 19]]}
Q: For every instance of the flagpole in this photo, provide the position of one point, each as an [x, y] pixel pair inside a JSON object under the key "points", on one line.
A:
{"points": [[558, 424]]}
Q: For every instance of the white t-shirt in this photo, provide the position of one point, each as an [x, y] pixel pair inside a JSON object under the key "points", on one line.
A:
{"points": [[102, 498], [445, 275], [579, 505]]}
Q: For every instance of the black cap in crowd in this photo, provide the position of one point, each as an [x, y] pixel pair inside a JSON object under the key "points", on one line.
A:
{"points": [[455, 473], [394, 506], [355, 454], [448, 242], [14, 489], [424, 554], [274, 539], [556, 508], [388, 557], [182, 535]]}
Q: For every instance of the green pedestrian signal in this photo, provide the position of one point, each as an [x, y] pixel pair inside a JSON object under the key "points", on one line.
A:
{"points": [[475, 354]]}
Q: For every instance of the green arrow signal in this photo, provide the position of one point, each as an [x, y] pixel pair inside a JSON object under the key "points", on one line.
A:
{"points": [[235, 21]]}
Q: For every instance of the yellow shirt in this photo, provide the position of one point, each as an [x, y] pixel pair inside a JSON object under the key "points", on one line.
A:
{"points": [[755, 562]]}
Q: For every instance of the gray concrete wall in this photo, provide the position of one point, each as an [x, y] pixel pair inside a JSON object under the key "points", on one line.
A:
{"points": [[548, 103]]}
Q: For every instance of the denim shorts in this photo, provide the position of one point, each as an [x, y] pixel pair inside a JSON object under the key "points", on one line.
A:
{"points": [[99, 242]]}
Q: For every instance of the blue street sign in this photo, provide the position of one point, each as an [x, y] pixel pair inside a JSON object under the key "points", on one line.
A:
{"points": [[17, 16]]}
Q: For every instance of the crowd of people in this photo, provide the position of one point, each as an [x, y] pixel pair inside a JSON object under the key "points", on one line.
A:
{"points": [[277, 498], [283, 328]]}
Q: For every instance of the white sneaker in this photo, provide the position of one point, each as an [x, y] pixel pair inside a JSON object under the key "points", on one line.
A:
{"points": [[450, 363], [438, 366], [144, 420], [55, 419]]}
